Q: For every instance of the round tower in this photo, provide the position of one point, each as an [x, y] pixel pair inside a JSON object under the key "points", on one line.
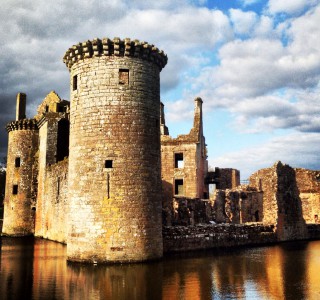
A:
{"points": [[114, 163], [20, 195]]}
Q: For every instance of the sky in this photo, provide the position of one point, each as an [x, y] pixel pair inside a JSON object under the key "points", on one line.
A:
{"points": [[254, 63]]}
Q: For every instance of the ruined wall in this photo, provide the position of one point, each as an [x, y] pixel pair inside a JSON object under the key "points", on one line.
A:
{"points": [[186, 238], [114, 162], [53, 222], [227, 178], [19, 203], [281, 201], [184, 162], [49, 137], [308, 183], [251, 206], [186, 172], [239, 205], [190, 211]]}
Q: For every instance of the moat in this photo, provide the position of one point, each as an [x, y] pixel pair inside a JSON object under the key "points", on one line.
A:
{"points": [[37, 269]]}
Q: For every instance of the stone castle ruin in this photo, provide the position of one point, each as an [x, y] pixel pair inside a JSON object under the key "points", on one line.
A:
{"points": [[101, 173]]}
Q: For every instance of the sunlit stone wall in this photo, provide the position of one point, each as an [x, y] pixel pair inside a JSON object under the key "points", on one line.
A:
{"points": [[114, 163]]}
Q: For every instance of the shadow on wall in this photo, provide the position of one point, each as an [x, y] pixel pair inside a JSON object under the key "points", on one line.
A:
{"points": [[2, 189], [290, 224], [167, 205]]}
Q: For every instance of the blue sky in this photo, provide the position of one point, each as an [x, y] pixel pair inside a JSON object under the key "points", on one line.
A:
{"points": [[256, 65]]}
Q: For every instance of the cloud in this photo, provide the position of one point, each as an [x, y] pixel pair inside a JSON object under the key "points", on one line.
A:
{"points": [[248, 2], [243, 22], [252, 71], [299, 110], [295, 149], [36, 34], [290, 7]]}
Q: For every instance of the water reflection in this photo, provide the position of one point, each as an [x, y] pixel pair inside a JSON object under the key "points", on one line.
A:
{"points": [[37, 269]]}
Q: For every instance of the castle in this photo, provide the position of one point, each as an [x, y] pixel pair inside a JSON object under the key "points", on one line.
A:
{"points": [[101, 173]]}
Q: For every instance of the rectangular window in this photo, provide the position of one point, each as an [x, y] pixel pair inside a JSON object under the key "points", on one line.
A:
{"points": [[15, 189], [17, 162], [178, 160], [108, 164], [178, 187], [75, 82], [124, 76]]}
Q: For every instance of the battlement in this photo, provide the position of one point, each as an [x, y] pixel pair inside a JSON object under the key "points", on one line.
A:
{"points": [[23, 124], [115, 47]]}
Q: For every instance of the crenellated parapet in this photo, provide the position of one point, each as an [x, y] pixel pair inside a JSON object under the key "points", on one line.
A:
{"points": [[23, 124], [115, 47]]}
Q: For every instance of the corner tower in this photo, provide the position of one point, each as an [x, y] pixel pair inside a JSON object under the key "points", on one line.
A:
{"points": [[114, 162], [21, 179]]}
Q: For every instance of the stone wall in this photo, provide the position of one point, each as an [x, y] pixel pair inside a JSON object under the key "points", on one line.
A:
{"points": [[50, 137], [53, 222], [184, 162], [227, 178], [308, 182], [189, 211], [114, 162], [19, 203], [187, 238], [2, 184], [281, 200], [313, 231], [239, 205]]}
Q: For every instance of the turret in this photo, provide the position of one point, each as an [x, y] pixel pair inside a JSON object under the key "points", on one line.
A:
{"points": [[20, 196], [114, 162]]}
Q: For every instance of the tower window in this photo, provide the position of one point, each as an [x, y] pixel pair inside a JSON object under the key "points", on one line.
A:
{"points": [[75, 82], [15, 189], [178, 160], [124, 76], [108, 164], [17, 162], [178, 187]]}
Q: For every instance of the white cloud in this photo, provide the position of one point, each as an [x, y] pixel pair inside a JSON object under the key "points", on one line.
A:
{"points": [[243, 22], [260, 66], [299, 110], [290, 7], [296, 149], [248, 2]]}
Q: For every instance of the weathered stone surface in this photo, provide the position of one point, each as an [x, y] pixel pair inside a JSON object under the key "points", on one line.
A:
{"points": [[308, 182], [114, 164], [184, 162], [281, 200], [187, 238], [19, 203]]}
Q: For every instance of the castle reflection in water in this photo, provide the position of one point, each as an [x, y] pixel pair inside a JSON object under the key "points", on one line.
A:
{"points": [[37, 269]]}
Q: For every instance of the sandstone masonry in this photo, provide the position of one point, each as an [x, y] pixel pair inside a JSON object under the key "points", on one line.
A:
{"points": [[102, 174]]}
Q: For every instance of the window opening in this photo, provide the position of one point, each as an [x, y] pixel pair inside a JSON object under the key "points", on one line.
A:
{"points": [[256, 215], [178, 160], [63, 139], [17, 162], [108, 164], [108, 186], [75, 82], [58, 186], [124, 76], [178, 187], [15, 189]]}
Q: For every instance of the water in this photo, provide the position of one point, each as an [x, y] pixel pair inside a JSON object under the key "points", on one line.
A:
{"points": [[37, 269]]}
